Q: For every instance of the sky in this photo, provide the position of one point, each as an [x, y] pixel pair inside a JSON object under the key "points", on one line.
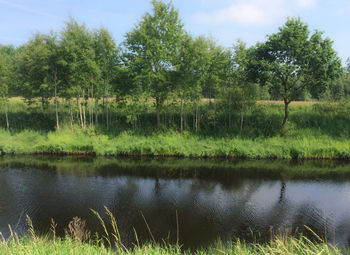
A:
{"points": [[223, 20]]}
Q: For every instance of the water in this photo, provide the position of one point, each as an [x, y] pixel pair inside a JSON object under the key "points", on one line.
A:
{"points": [[213, 199]]}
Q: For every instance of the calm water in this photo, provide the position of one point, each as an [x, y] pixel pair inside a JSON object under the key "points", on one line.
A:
{"points": [[214, 199]]}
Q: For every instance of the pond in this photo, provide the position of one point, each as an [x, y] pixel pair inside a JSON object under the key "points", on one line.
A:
{"points": [[212, 199]]}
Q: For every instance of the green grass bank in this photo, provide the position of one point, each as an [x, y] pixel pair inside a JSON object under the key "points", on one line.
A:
{"points": [[314, 131], [38, 246], [302, 145]]}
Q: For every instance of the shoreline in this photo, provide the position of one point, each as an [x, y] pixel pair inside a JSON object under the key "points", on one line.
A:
{"points": [[172, 156]]}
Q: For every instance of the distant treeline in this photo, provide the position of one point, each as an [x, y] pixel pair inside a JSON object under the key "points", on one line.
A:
{"points": [[87, 74]]}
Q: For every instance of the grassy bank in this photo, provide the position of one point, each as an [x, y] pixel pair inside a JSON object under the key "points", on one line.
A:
{"points": [[317, 131], [278, 246], [297, 146]]}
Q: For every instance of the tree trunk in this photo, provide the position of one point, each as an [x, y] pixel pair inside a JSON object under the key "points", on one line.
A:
{"points": [[103, 108], [96, 111], [181, 115], [229, 116], [242, 115], [84, 111], [90, 113], [158, 111], [91, 104], [71, 114], [89, 107], [107, 113], [214, 112], [80, 112], [56, 106], [184, 115], [285, 120], [194, 116], [6, 115], [199, 115]]}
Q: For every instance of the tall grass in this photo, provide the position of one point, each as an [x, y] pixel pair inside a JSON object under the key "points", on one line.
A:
{"points": [[300, 145], [110, 243], [64, 246]]}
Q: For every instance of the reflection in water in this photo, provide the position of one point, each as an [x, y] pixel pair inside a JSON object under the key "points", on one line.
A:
{"points": [[234, 206]]}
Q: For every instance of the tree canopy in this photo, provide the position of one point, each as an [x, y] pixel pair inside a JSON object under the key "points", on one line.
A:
{"points": [[153, 47], [159, 61], [294, 60]]}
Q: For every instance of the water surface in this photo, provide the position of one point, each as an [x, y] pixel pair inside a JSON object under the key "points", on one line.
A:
{"points": [[213, 199]]}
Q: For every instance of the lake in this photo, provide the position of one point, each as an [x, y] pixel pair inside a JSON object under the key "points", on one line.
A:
{"points": [[214, 199]]}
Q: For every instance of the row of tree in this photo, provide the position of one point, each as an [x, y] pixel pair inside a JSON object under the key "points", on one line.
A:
{"points": [[159, 60]]}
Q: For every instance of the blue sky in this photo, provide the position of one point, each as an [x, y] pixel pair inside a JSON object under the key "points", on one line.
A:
{"points": [[224, 20]]}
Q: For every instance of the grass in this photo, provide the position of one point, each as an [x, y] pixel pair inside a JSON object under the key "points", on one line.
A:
{"points": [[297, 146], [70, 246], [318, 131], [78, 241]]}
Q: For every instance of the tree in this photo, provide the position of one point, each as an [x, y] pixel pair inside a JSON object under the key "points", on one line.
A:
{"points": [[33, 69], [191, 70], [8, 77], [4, 79], [292, 61], [347, 68], [241, 92], [152, 48], [39, 65], [79, 64], [54, 68], [217, 75], [106, 54]]}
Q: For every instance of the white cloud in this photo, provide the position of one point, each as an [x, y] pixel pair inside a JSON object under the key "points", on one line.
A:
{"points": [[254, 12]]}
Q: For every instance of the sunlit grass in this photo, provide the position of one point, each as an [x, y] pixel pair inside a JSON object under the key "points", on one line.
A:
{"points": [[299, 146]]}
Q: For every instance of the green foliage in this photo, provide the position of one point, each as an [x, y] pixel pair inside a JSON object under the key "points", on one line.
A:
{"points": [[292, 61], [3, 78], [152, 48], [78, 58], [194, 83], [192, 67], [7, 74], [39, 69], [106, 57]]}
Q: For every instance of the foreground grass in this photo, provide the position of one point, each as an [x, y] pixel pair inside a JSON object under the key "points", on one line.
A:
{"points": [[73, 246], [78, 241], [297, 145]]}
